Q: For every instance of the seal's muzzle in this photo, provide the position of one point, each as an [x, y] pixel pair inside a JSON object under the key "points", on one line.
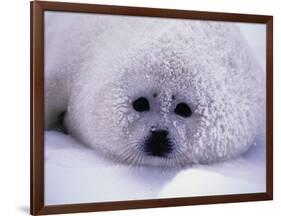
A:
{"points": [[158, 143]]}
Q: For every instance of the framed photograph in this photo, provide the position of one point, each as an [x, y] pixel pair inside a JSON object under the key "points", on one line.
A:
{"points": [[139, 107]]}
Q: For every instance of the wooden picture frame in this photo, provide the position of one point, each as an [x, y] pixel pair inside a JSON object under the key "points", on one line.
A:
{"points": [[37, 9]]}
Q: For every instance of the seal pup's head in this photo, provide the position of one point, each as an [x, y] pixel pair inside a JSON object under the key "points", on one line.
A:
{"points": [[188, 95]]}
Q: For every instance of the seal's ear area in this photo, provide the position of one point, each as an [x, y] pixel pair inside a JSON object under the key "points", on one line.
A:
{"points": [[105, 98], [106, 91]]}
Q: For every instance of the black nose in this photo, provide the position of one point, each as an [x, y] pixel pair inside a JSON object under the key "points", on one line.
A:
{"points": [[158, 143]]}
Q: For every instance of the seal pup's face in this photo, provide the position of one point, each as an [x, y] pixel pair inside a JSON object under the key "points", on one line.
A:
{"points": [[150, 117], [161, 127], [151, 125]]}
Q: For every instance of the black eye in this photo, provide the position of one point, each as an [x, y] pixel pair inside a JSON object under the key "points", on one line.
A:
{"points": [[141, 104], [183, 110]]}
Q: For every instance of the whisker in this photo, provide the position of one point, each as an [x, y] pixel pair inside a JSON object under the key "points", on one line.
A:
{"points": [[124, 155], [185, 159]]}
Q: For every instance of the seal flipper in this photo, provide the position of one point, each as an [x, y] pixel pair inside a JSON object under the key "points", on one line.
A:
{"points": [[59, 125]]}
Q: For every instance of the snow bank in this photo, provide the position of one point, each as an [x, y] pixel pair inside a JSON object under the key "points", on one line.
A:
{"points": [[76, 174]]}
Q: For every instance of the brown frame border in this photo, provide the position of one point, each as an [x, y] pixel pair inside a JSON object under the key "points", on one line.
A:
{"points": [[37, 9]]}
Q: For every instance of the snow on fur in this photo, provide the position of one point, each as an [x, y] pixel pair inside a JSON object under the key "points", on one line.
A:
{"points": [[101, 64]]}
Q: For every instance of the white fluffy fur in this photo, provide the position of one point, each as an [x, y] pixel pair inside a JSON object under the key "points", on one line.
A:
{"points": [[97, 65]]}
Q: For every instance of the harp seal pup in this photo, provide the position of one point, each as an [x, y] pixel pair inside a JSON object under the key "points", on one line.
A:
{"points": [[150, 91]]}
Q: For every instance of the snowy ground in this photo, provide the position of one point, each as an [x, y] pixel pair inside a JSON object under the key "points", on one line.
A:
{"points": [[76, 174]]}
